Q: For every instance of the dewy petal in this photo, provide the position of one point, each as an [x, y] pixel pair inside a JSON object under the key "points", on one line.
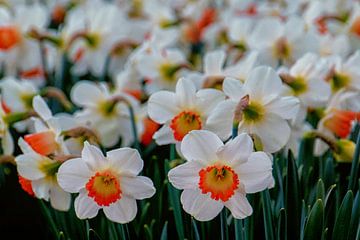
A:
{"points": [[122, 211], [86, 93], [41, 108], [138, 187], [233, 88], [239, 206], [237, 150], [256, 173], [208, 99], [214, 62], [162, 106], [273, 131], [73, 175], [201, 145], [59, 199], [85, 207], [220, 120], [126, 160], [93, 156], [285, 107], [263, 83], [201, 206], [185, 93], [185, 176], [164, 136]]}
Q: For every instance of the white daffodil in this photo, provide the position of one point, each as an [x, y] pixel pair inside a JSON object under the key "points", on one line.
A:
{"points": [[42, 171], [109, 183], [217, 175], [105, 112], [306, 80], [263, 110], [345, 74], [182, 111]]}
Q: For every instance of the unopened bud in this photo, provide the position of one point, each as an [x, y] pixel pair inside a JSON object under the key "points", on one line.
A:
{"points": [[345, 150]]}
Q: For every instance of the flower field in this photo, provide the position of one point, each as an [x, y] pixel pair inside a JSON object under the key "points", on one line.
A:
{"points": [[180, 119]]}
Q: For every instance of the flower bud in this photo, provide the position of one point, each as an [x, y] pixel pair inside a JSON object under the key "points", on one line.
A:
{"points": [[345, 150]]}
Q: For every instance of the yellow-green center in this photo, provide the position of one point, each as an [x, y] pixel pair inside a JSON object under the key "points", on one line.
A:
{"points": [[254, 112]]}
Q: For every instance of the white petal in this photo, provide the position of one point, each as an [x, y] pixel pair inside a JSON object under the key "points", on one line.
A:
{"points": [[126, 160], [28, 166], [239, 206], [73, 175], [41, 188], [162, 106], [185, 93], [8, 143], [164, 136], [274, 132], [233, 88], [220, 120], [185, 176], [41, 108], [59, 199], [237, 150], [256, 173], [208, 99], [86, 93], [213, 62], [122, 211], [285, 107], [263, 83], [85, 207], [137, 187], [93, 156], [201, 206], [201, 145]]}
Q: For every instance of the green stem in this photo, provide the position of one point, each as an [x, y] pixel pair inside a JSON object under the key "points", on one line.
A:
{"points": [[134, 128], [106, 68], [355, 166], [224, 226]]}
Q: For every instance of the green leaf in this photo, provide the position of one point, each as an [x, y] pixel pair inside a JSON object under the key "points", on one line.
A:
{"points": [[355, 166], [329, 172], [281, 233], [196, 232], [342, 222], [293, 199], [355, 217], [174, 199], [314, 224], [267, 211], [164, 232], [320, 190]]}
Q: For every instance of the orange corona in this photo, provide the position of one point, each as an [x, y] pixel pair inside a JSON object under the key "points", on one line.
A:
{"points": [[9, 37], [43, 142], [220, 181], [104, 188], [340, 122], [185, 122], [26, 185]]}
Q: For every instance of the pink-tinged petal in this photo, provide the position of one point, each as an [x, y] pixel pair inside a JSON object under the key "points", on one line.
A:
{"points": [[285, 107], [263, 84], [164, 136], [237, 150], [59, 199], [201, 145], [43, 143], [86, 93], [256, 173], [126, 160], [122, 211], [185, 176], [93, 157], [162, 106], [85, 207], [185, 93], [73, 175], [239, 206], [274, 132], [214, 62], [201, 206], [41, 108], [234, 89], [220, 120], [137, 187]]}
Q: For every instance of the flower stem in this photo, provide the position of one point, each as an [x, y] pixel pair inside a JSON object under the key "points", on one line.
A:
{"points": [[224, 227], [134, 129]]}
